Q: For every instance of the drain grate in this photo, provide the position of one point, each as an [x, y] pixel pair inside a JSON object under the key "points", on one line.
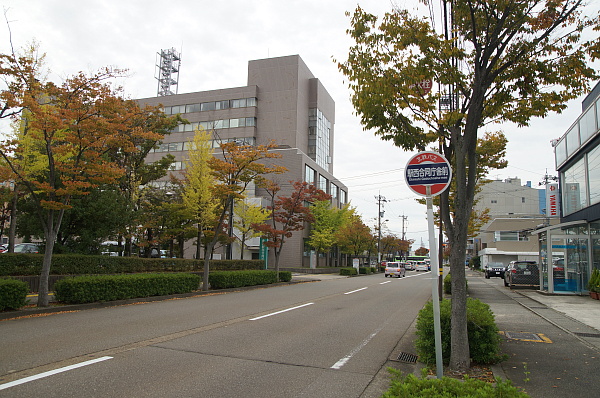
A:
{"points": [[597, 335], [408, 358]]}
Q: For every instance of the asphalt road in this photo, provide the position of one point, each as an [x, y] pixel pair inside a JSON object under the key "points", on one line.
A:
{"points": [[321, 339]]}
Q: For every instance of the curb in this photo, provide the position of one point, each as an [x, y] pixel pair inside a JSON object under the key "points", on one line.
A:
{"points": [[58, 308]]}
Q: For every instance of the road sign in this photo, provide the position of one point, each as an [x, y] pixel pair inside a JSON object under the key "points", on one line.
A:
{"points": [[429, 174], [424, 86], [428, 169]]}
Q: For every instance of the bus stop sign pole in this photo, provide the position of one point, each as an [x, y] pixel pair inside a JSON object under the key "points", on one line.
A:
{"points": [[429, 174]]}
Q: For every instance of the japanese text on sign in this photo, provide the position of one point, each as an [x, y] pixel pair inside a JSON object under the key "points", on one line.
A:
{"points": [[427, 175]]}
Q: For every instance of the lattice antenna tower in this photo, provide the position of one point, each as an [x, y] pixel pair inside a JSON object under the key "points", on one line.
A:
{"points": [[167, 71]]}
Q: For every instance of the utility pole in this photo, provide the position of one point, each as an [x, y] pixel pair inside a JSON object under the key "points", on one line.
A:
{"points": [[404, 218], [380, 214]]}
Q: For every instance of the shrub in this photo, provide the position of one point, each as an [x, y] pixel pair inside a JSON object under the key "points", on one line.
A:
{"points": [[412, 386], [232, 279], [365, 270], [475, 262], [594, 282], [89, 289], [484, 340], [348, 271], [76, 264], [448, 284], [13, 294]]}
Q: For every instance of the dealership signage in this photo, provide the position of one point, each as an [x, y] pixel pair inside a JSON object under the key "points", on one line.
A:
{"points": [[552, 200]]}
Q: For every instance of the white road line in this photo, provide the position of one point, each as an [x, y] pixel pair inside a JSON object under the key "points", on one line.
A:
{"points": [[279, 312], [355, 351], [52, 372], [383, 283], [357, 290]]}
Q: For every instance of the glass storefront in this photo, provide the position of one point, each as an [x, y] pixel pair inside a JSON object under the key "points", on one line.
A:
{"points": [[565, 258]]}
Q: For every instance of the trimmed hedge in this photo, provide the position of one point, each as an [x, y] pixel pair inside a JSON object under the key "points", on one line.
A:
{"points": [[90, 289], [365, 270], [412, 386], [232, 279], [484, 340], [18, 264], [348, 271], [13, 294]]}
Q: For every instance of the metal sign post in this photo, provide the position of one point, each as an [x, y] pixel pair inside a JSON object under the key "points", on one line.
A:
{"points": [[429, 174]]}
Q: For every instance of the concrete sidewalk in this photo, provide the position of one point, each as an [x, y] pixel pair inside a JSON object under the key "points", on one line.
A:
{"points": [[553, 342]]}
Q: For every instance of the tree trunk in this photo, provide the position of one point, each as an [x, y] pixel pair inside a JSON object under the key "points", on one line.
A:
{"points": [[12, 229], [181, 243], [206, 270], [43, 299], [242, 246], [198, 242]]}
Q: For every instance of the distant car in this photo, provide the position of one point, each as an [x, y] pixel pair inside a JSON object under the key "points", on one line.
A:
{"points": [[494, 269], [27, 248], [522, 273], [422, 266], [558, 269], [3, 247], [395, 269], [409, 266]]}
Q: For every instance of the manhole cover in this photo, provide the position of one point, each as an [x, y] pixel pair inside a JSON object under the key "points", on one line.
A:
{"points": [[406, 357], [527, 336]]}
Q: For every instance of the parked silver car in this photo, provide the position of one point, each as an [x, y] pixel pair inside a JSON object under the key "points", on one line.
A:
{"points": [[27, 248], [395, 269]]}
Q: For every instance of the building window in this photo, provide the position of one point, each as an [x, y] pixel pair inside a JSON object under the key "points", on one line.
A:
{"points": [[343, 196], [594, 174], [494, 201], [210, 106], [574, 188], [573, 140], [334, 191], [323, 183], [522, 200], [309, 175], [587, 125], [560, 152], [216, 124], [510, 236], [319, 132]]}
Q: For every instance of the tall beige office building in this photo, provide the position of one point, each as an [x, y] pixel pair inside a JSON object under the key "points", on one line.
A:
{"points": [[283, 102]]}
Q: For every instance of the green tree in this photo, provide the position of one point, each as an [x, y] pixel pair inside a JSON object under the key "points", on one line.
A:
{"points": [[328, 220], [246, 216], [505, 61], [355, 237], [235, 167], [198, 192], [91, 220], [138, 172]]}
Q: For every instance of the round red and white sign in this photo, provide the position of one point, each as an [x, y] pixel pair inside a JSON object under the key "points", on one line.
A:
{"points": [[428, 169]]}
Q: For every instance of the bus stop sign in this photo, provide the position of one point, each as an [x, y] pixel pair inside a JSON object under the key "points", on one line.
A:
{"points": [[428, 169]]}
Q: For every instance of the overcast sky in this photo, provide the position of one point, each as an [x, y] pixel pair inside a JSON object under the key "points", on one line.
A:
{"points": [[217, 39]]}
